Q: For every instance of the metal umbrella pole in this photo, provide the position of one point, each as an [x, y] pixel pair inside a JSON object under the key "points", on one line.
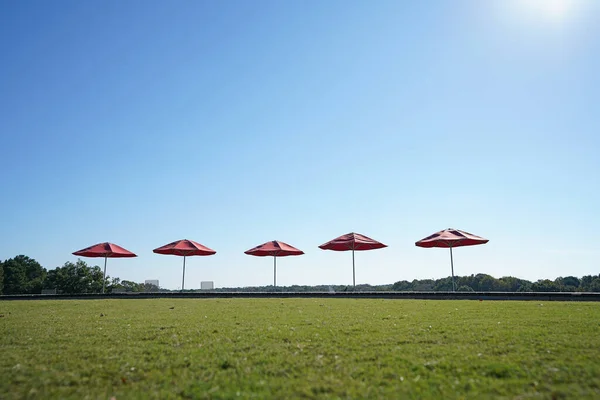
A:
{"points": [[274, 271], [104, 276], [183, 278], [452, 266], [353, 271]]}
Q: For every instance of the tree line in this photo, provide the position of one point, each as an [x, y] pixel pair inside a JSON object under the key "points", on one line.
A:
{"points": [[24, 275], [472, 283], [487, 283]]}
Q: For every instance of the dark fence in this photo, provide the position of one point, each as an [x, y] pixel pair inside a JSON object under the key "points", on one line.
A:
{"points": [[536, 296]]}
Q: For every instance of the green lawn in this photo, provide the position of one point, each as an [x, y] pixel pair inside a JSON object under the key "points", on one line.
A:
{"points": [[298, 348]]}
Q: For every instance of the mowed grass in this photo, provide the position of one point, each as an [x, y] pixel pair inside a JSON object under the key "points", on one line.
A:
{"points": [[298, 348]]}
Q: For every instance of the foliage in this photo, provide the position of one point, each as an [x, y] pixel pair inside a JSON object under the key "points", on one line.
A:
{"points": [[298, 348], [132, 286], [129, 286], [304, 288], [487, 283], [149, 287], [22, 275], [75, 277], [545, 285]]}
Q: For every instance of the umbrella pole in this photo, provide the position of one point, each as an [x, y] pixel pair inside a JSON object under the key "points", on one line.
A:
{"points": [[104, 276], [275, 271], [452, 266], [183, 278], [353, 271]]}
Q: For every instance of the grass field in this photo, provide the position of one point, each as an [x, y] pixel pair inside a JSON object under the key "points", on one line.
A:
{"points": [[298, 348]]}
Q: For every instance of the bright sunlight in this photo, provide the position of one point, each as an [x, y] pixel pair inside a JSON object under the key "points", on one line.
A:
{"points": [[546, 10], [550, 8]]}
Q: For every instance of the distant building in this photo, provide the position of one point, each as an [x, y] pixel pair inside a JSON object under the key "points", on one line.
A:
{"points": [[152, 282], [207, 285]]}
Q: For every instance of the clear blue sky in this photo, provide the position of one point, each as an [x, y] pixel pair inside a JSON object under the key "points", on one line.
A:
{"points": [[232, 123]]}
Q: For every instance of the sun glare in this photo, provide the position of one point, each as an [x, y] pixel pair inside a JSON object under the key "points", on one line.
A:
{"points": [[555, 9], [545, 11]]}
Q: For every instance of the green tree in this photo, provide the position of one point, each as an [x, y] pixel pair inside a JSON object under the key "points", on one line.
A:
{"points": [[402, 286], [22, 275], [464, 281], [525, 287], [571, 281], [443, 285], [545, 285], [131, 286], [487, 283], [568, 284], [1, 277], [586, 282], [595, 285], [149, 287], [423, 285], [14, 277], [74, 278], [512, 284]]}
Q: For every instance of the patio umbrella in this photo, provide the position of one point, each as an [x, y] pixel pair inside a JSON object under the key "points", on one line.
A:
{"points": [[275, 249], [449, 238], [184, 248], [352, 241], [106, 250]]}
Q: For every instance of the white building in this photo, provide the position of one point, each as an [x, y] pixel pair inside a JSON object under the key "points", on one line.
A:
{"points": [[152, 282], [207, 285]]}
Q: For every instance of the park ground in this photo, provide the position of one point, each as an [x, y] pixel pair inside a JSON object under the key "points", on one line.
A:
{"points": [[298, 348]]}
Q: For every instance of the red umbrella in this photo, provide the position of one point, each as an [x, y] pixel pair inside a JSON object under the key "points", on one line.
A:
{"points": [[275, 249], [352, 241], [184, 248], [106, 250], [449, 238]]}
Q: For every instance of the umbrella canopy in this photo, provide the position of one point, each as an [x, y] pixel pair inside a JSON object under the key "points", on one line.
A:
{"points": [[106, 250], [352, 241], [449, 238], [274, 248], [184, 248], [355, 242]]}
